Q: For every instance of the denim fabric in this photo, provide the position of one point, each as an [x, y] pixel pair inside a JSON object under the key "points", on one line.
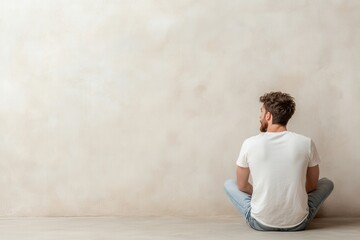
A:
{"points": [[242, 201]]}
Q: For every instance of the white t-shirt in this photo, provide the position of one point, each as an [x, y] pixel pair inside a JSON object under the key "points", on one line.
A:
{"points": [[278, 163]]}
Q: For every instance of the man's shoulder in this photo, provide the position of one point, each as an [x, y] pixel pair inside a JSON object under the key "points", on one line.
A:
{"points": [[253, 139], [299, 140], [300, 136], [290, 134]]}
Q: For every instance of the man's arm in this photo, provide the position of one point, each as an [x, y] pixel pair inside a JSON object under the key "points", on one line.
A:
{"points": [[243, 184], [312, 177]]}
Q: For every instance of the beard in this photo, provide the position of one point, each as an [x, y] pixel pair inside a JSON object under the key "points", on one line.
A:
{"points": [[263, 126]]}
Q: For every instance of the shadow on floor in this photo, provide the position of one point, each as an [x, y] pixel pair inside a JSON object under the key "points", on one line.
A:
{"points": [[324, 223]]}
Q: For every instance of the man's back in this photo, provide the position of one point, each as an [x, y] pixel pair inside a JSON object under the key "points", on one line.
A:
{"points": [[278, 162]]}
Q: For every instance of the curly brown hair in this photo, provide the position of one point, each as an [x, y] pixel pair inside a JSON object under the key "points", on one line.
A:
{"points": [[280, 105]]}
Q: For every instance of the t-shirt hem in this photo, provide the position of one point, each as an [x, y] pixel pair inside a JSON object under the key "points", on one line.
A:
{"points": [[275, 226]]}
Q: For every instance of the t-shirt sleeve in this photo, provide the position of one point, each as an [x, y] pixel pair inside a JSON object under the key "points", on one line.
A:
{"points": [[242, 159], [314, 156]]}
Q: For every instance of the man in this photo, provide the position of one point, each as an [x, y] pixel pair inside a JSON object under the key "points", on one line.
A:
{"points": [[285, 193]]}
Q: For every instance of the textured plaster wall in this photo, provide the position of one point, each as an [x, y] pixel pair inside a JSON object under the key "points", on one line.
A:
{"points": [[141, 107]]}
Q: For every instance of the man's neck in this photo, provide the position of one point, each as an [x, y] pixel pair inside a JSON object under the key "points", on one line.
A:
{"points": [[276, 128]]}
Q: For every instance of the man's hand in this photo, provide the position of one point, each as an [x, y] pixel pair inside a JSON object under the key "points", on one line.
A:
{"points": [[242, 175]]}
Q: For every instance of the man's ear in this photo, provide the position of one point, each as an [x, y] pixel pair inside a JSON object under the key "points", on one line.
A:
{"points": [[268, 116]]}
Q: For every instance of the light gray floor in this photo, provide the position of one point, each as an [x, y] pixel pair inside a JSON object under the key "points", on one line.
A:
{"points": [[166, 228]]}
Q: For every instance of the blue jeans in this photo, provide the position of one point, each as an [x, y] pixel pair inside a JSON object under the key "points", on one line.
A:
{"points": [[242, 201]]}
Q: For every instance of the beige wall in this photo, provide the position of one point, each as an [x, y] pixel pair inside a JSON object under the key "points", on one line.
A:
{"points": [[140, 107]]}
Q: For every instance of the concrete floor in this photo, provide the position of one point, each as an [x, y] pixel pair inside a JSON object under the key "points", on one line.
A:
{"points": [[160, 228]]}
